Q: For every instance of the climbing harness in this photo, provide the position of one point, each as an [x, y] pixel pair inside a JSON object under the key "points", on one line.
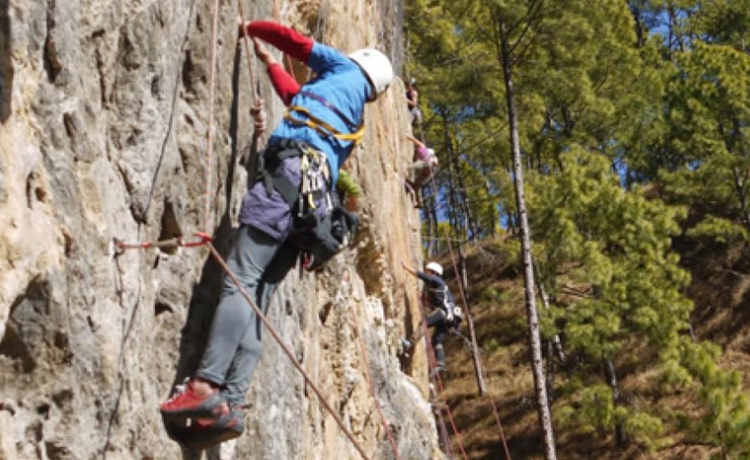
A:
{"points": [[443, 301], [294, 112], [319, 233], [314, 169], [349, 123], [321, 126]]}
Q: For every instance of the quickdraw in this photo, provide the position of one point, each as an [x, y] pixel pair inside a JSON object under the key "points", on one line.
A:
{"points": [[316, 178]]}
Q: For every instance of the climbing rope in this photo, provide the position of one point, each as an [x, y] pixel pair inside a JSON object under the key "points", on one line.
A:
{"points": [[222, 263], [257, 110], [371, 384], [468, 313], [435, 376], [173, 243]]}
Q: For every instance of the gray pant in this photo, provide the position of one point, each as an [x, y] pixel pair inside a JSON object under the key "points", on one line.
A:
{"points": [[436, 319], [234, 346]]}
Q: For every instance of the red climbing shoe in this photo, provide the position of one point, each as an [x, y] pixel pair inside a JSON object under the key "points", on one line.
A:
{"points": [[187, 404], [205, 433]]}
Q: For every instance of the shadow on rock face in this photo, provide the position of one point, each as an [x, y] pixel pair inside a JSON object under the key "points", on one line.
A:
{"points": [[6, 65]]}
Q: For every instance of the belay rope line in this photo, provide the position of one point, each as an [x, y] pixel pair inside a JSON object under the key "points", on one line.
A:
{"points": [[468, 312], [210, 129], [435, 376]]}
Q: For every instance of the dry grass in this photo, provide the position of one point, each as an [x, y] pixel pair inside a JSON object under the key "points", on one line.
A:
{"points": [[721, 291]]}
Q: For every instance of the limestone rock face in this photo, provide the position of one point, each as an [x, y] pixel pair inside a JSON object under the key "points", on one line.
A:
{"points": [[105, 110]]}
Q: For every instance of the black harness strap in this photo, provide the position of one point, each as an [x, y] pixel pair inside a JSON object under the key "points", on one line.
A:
{"points": [[268, 162]]}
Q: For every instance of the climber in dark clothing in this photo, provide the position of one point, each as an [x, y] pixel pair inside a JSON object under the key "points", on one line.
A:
{"points": [[444, 315], [320, 128]]}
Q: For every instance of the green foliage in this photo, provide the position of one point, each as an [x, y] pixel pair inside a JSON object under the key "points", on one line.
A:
{"points": [[709, 124], [596, 233], [628, 139], [726, 421], [721, 230], [491, 345], [589, 231], [645, 429], [489, 295], [594, 412]]}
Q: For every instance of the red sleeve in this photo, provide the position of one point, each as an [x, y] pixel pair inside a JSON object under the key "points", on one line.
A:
{"points": [[285, 39], [284, 84]]}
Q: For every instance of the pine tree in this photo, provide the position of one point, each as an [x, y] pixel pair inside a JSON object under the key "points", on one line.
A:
{"points": [[613, 104], [709, 125], [616, 244]]}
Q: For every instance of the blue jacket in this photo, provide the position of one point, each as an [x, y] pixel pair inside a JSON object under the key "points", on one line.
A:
{"points": [[342, 83]]}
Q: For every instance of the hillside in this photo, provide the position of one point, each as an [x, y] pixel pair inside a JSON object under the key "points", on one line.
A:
{"points": [[720, 291]]}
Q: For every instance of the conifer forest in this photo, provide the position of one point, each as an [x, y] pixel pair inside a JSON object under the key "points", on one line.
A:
{"points": [[595, 176]]}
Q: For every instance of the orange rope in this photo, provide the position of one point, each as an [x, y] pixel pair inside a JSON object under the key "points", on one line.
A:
{"points": [[220, 260], [203, 238], [468, 312], [249, 57], [373, 390], [432, 365]]}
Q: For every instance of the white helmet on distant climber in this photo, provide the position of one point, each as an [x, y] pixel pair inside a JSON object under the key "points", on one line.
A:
{"points": [[376, 66], [435, 267]]}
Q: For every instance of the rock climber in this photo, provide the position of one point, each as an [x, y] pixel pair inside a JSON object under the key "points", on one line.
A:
{"points": [[421, 171], [444, 315], [322, 124], [412, 101], [286, 87]]}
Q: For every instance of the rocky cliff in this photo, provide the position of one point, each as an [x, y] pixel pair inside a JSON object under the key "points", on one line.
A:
{"points": [[105, 110]]}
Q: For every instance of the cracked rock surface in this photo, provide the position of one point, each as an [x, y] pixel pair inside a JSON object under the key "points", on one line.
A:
{"points": [[104, 114]]}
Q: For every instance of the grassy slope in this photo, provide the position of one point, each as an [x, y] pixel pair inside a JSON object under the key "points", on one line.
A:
{"points": [[721, 290]]}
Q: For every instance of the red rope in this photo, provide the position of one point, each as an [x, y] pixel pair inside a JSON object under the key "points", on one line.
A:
{"points": [[202, 239], [373, 390], [432, 365], [468, 312], [220, 260]]}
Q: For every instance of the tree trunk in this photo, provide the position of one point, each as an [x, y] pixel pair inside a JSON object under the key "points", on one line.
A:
{"points": [[741, 175], [434, 231], [545, 416], [481, 387], [622, 435], [453, 212], [470, 223], [556, 342]]}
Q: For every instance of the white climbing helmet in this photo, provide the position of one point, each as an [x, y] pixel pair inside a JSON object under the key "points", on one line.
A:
{"points": [[376, 66], [435, 267]]}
